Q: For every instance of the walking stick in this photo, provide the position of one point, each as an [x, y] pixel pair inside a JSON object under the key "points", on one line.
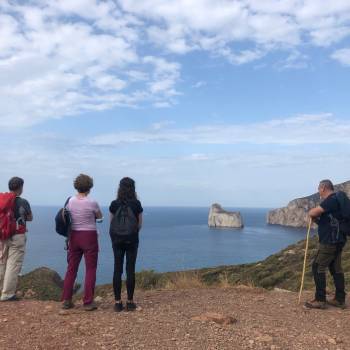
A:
{"points": [[305, 255]]}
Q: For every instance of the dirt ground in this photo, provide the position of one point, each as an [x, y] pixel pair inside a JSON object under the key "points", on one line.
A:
{"points": [[177, 320]]}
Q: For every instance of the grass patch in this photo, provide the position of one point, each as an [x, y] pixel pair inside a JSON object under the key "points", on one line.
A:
{"points": [[184, 280]]}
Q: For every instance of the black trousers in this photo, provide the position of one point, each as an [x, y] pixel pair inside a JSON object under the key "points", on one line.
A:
{"points": [[329, 256], [130, 251]]}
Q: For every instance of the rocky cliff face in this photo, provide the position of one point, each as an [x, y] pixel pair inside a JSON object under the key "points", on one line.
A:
{"points": [[295, 213], [218, 217]]}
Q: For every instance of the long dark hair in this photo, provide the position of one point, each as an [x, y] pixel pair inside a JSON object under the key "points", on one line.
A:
{"points": [[126, 190]]}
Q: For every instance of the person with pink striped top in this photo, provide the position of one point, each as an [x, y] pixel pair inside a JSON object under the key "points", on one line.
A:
{"points": [[82, 241]]}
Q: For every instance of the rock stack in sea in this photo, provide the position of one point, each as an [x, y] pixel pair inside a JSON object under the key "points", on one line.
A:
{"points": [[295, 213], [218, 217]]}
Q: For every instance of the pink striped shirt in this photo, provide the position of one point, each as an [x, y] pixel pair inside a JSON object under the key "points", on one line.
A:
{"points": [[83, 211]]}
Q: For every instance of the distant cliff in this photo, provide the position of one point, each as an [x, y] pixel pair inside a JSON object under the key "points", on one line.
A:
{"points": [[295, 213], [218, 217]]}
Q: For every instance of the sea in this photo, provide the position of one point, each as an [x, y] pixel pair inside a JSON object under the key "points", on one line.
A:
{"points": [[171, 239]]}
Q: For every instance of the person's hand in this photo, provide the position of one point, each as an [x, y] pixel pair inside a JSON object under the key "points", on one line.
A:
{"points": [[315, 220]]}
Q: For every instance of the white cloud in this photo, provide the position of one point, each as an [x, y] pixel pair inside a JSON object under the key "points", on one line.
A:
{"points": [[299, 130], [329, 35], [162, 124], [199, 84], [61, 58], [172, 38], [343, 56], [185, 25], [295, 60], [242, 57], [161, 104]]}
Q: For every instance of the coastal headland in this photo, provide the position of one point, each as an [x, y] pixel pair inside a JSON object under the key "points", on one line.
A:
{"points": [[295, 213]]}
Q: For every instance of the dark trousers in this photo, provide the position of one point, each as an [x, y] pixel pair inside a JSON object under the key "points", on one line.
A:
{"points": [[81, 243], [329, 256], [130, 251]]}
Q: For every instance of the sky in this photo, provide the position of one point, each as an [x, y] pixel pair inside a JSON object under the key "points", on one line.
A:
{"points": [[240, 102]]}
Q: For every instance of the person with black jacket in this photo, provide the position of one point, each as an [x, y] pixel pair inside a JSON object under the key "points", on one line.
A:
{"points": [[331, 242], [126, 221]]}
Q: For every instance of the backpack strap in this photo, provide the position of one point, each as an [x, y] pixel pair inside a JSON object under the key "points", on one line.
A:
{"points": [[66, 202], [68, 237], [65, 207]]}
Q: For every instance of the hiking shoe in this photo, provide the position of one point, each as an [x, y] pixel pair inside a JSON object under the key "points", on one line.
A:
{"points": [[13, 298], [67, 304], [118, 307], [130, 306], [90, 307], [315, 304], [334, 302]]}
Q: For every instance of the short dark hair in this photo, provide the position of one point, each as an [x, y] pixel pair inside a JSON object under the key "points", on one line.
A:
{"points": [[83, 183], [327, 184], [15, 183]]}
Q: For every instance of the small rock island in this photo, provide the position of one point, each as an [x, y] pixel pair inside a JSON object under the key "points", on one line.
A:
{"points": [[218, 217]]}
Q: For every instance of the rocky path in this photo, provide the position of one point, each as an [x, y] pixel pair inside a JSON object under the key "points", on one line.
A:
{"points": [[254, 319]]}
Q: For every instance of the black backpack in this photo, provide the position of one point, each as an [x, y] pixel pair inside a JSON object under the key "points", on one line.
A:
{"points": [[344, 204], [63, 220], [124, 225]]}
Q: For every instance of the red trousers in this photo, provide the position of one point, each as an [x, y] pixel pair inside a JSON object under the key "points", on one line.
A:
{"points": [[81, 243]]}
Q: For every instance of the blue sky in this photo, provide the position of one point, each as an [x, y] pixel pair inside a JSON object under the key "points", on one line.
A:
{"points": [[239, 102]]}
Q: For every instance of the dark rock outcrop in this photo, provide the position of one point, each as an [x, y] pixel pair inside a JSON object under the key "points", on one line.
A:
{"points": [[41, 284], [295, 213]]}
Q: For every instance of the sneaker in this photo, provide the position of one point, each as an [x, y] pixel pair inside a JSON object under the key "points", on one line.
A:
{"points": [[90, 307], [118, 307], [334, 302], [130, 306], [13, 298], [67, 304], [315, 304]]}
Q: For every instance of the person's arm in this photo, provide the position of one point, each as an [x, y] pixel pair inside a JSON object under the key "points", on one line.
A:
{"points": [[140, 221], [112, 211], [316, 212], [98, 214], [29, 217]]}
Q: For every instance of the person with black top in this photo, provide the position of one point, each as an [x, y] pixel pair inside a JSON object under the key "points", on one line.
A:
{"points": [[331, 243], [126, 221]]}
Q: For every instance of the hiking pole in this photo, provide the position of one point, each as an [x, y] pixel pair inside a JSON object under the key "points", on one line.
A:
{"points": [[305, 255]]}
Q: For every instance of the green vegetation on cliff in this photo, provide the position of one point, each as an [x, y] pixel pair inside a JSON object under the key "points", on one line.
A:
{"points": [[281, 270]]}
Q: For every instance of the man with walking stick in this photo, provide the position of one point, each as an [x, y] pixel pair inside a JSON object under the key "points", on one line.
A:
{"points": [[329, 254]]}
